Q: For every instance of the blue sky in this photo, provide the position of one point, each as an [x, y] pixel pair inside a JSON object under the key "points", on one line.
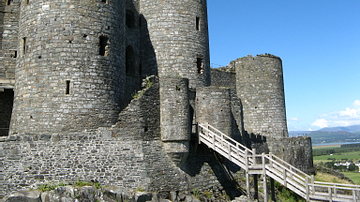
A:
{"points": [[318, 42]]}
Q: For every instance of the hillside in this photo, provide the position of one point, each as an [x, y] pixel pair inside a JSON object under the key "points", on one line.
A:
{"points": [[351, 129], [331, 134]]}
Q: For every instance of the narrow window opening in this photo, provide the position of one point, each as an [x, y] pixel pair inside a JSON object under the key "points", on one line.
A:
{"points": [[9, 2], [14, 54], [24, 45], [199, 65], [140, 20], [130, 19], [103, 45], [6, 103], [198, 23], [105, 1], [130, 60], [26, 1], [67, 91]]}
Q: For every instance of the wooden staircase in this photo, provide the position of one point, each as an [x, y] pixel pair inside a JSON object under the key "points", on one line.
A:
{"points": [[269, 165]]}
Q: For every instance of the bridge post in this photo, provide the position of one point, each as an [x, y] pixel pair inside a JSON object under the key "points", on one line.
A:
{"points": [[256, 188], [247, 184], [313, 182], [254, 155], [198, 132], [307, 188], [354, 195], [330, 194], [264, 176], [272, 184]]}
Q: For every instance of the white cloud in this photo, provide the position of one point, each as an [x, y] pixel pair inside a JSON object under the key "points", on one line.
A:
{"points": [[322, 123], [349, 112], [294, 119], [357, 103], [348, 117]]}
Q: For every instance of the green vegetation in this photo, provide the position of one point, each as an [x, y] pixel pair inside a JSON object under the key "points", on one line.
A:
{"points": [[328, 151], [49, 187], [208, 194], [286, 195], [327, 156], [324, 177], [80, 183], [354, 176], [349, 156], [140, 189], [148, 84], [196, 193]]}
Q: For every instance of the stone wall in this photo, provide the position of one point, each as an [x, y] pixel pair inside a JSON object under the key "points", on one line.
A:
{"points": [[175, 117], [259, 85], [225, 77], [294, 150], [9, 47], [213, 106], [70, 73], [128, 155]]}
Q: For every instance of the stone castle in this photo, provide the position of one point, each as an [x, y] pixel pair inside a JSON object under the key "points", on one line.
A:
{"points": [[112, 90]]}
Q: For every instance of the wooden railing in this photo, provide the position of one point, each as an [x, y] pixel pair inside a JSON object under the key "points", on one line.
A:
{"points": [[275, 168]]}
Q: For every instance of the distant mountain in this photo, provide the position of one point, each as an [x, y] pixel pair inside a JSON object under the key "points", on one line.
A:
{"points": [[298, 133], [351, 129], [331, 134]]}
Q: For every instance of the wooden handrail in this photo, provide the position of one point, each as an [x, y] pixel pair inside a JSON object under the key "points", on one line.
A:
{"points": [[293, 178]]}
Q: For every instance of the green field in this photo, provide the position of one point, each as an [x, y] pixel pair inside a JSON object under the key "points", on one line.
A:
{"points": [[354, 176], [326, 146], [354, 156], [339, 154]]}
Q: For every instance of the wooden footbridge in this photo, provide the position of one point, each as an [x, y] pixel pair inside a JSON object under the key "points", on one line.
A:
{"points": [[271, 166]]}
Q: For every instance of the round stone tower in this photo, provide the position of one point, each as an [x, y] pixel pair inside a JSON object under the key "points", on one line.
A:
{"points": [[259, 85], [179, 34], [70, 74]]}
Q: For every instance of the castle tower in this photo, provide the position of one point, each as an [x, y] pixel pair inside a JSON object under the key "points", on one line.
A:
{"points": [[259, 85], [70, 73], [179, 35]]}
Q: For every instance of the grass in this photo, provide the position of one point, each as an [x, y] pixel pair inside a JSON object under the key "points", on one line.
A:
{"points": [[286, 195], [49, 187], [324, 177], [354, 156], [326, 146], [354, 176]]}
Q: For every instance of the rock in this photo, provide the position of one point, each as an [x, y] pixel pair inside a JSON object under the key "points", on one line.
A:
{"points": [[173, 196], [20, 196], [182, 196], [189, 199], [143, 196]]}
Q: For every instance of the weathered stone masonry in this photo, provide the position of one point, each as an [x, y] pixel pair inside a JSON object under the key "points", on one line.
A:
{"points": [[112, 90]]}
